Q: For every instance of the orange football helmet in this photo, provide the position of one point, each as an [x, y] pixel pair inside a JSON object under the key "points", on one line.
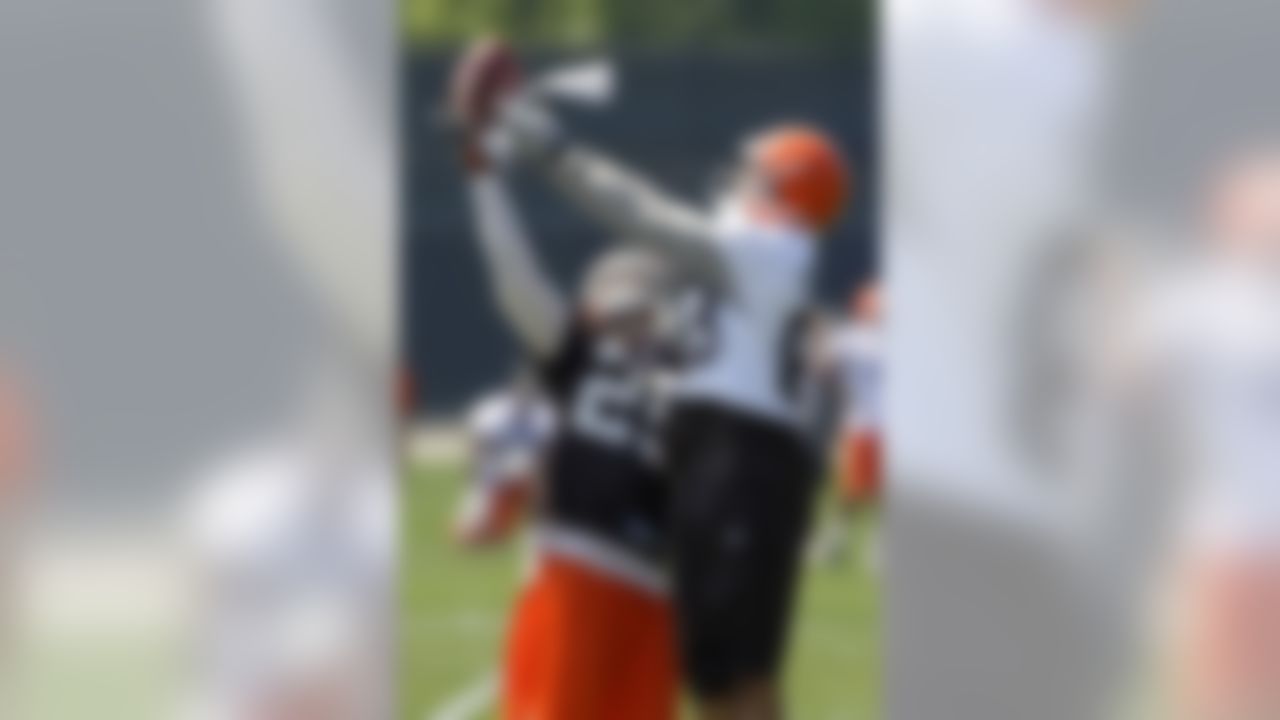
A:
{"points": [[803, 171]]}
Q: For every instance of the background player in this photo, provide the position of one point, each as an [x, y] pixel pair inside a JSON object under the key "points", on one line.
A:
{"points": [[853, 354], [592, 634], [508, 431], [1210, 356], [741, 471]]}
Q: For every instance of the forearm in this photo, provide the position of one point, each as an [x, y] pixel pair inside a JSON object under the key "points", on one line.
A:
{"points": [[630, 206], [525, 296]]}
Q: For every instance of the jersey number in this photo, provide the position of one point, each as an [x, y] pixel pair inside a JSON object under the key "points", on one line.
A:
{"points": [[609, 409]]}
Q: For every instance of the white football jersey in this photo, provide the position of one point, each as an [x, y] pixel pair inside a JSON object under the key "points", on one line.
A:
{"points": [[857, 351], [749, 351]]}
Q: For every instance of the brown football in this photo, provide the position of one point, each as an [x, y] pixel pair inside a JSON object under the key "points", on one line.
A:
{"points": [[485, 73]]}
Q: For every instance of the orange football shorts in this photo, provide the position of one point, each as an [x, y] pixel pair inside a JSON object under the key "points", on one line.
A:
{"points": [[584, 646], [860, 467]]}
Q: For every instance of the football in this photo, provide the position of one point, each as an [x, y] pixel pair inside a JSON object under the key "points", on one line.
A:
{"points": [[486, 73]]}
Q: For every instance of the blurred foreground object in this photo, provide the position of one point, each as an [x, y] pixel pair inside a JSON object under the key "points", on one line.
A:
{"points": [[176, 294], [292, 540], [17, 479], [1207, 350], [1081, 364]]}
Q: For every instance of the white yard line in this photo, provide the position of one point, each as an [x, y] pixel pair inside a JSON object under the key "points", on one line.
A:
{"points": [[470, 701]]}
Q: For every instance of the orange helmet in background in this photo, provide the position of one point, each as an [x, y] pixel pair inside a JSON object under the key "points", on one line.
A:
{"points": [[803, 170]]}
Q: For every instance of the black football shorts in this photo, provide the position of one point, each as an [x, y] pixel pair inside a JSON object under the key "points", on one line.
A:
{"points": [[741, 496]]}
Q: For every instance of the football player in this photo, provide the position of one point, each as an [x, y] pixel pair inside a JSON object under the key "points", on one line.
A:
{"points": [[853, 354], [1213, 345], [592, 634], [741, 470], [509, 431]]}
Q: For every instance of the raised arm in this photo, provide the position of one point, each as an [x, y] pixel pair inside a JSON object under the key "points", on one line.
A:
{"points": [[629, 205], [525, 295]]}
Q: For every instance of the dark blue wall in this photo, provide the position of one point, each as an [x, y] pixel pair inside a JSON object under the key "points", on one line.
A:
{"points": [[679, 119]]}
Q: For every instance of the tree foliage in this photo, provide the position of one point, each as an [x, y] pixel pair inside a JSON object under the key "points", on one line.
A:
{"points": [[642, 23]]}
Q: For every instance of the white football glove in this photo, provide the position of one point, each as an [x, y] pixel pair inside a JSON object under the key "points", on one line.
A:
{"points": [[523, 130]]}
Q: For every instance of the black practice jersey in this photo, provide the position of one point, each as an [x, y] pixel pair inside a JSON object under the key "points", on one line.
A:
{"points": [[601, 471]]}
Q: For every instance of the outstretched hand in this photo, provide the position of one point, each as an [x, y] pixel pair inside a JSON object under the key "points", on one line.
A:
{"points": [[500, 116], [486, 75]]}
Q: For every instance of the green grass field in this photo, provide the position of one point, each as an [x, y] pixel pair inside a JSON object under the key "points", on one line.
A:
{"points": [[455, 603]]}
